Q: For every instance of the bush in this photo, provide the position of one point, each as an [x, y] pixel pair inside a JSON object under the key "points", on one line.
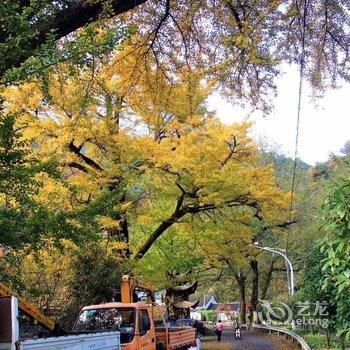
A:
{"points": [[60, 280], [95, 278]]}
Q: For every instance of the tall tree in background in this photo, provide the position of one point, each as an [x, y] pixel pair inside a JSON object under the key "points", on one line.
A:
{"points": [[346, 148]]}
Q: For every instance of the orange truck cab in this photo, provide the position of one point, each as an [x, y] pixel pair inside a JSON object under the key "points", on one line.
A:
{"points": [[141, 326]]}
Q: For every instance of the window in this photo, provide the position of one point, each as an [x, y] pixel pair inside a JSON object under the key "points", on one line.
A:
{"points": [[144, 322], [109, 319]]}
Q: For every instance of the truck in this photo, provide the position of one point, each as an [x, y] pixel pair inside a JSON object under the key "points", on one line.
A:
{"points": [[142, 326], [125, 325]]}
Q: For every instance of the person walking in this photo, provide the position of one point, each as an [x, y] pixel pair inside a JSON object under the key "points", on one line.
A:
{"points": [[219, 327]]}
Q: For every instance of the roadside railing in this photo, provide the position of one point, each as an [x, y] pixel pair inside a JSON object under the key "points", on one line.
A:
{"points": [[294, 337]]}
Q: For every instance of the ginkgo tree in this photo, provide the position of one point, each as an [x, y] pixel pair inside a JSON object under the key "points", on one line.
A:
{"points": [[241, 43], [142, 146]]}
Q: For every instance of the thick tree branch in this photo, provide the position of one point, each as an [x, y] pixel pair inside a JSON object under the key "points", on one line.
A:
{"points": [[76, 150], [177, 214], [235, 15], [77, 166], [284, 224], [267, 279], [65, 21], [159, 25], [180, 211]]}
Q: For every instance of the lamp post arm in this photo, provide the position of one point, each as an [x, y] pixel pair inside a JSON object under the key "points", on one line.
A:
{"points": [[290, 272], [286, 260]]}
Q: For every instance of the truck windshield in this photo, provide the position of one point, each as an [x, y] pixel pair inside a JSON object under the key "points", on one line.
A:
{"points": [[109, 319]]}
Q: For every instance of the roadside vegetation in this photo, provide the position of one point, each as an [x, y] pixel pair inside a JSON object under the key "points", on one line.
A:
{"points": [[318, 341]]}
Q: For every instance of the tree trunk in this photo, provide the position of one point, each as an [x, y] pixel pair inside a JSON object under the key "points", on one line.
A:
{"points": [[113, 108], [255, 288], [342, 343], [267, 280], [241, 281], [328, 337]]}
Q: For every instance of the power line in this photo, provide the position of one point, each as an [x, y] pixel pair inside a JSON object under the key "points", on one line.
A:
{"points": [[300, 91]]}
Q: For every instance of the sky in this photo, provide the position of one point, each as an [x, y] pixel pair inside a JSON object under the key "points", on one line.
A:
{"points": [[324, 123]]}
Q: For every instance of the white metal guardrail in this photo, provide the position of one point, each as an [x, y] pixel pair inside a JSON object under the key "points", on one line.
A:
{"points": [[295, 337]]}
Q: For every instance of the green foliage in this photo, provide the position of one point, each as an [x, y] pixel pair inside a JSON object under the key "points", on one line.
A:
{"points": [[319, 341], [312, 291], [336, 210], [173, 251], [20, 28], [22, 225], [85, 46], [17, 169], [321, 171], [19, 216], [208, 315], [95, 278], [311, 285], [17, 25], [336, 248]]}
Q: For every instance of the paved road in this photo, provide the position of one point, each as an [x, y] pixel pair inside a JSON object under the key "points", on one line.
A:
{"points": [[250, 341]]}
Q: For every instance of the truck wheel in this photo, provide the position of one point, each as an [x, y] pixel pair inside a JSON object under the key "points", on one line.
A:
{"points": [[160, 346]]}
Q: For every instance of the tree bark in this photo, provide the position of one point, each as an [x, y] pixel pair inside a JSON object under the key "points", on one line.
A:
{"points": [[342, 343], [241, 281], [328, 337], [178, 214], [267, 280], [255, 288]]}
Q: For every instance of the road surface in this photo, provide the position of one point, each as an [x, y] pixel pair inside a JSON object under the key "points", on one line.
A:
{"points": [[250, 341]]}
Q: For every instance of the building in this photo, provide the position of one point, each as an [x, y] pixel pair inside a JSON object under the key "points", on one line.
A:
{"points": [[220, 311], [205, 303], [227, 311]]}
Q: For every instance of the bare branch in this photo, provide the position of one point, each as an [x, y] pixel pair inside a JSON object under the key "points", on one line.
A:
{"points": [[235, 15], [232, 151]]}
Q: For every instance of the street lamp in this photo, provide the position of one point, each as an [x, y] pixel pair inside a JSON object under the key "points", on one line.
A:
{"points": [[289, 266]]}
